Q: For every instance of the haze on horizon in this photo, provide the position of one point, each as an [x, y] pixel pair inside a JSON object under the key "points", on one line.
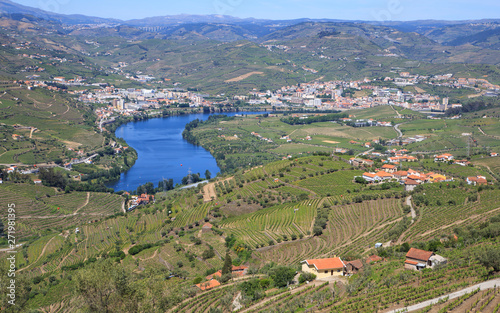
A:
{"points": [[383, 10]]}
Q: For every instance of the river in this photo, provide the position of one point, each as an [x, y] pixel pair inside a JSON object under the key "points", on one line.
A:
{"points": [[162, 152]]}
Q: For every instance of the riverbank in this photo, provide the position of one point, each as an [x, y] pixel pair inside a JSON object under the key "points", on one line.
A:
{"points": [[162, 152]]}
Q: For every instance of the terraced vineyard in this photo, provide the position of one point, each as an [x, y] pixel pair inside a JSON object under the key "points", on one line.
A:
{"points": [[331, 184], [351, 228], [272, 224], [454, 209]]}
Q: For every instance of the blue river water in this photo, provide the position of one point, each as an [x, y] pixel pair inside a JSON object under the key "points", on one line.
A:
{"points": [[162, 152]]}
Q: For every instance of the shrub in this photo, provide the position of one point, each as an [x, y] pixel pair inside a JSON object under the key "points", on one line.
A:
{"points": [[306, 277]]}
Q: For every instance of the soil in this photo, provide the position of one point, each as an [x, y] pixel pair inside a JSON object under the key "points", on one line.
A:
{"points": [[242, 77]]}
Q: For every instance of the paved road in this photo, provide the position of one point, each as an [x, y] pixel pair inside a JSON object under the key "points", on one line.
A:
{"points": [[482, 286], [364, 153], [396, 128], [413, 213]]}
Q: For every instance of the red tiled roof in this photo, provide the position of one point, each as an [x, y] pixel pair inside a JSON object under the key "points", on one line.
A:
{"points": [[207, 225], [389, 166], [324, 264], [411, 262], [418, 254], [411, 182], [373, 258], [216, 274], [356, 264], [384, 174], [208, 285], [239, 268], [400, 173]]}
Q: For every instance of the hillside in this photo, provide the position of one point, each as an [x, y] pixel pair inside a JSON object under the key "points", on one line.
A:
{"points": [[269, 216], [311, 176]]}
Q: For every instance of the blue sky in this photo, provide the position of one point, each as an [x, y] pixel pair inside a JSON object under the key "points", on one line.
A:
{"points": [[398, 10]]}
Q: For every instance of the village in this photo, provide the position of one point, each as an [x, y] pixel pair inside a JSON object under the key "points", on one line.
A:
{"points": [[331, 95]]}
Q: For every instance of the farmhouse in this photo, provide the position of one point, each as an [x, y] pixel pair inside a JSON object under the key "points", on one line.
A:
{"points": [[417, 259], [353, 267], [235, 271], [208, 284], [144, 199], [239, 270], [374, 259], [206, 227], [324, 267], [358, 162], [461, 162], [443, 157], [476, 180]]}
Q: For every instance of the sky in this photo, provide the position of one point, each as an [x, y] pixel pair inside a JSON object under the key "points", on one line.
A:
{"points": [[380, 10]]}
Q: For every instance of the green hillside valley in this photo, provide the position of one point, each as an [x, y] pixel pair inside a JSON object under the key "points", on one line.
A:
{"points": [[214, 164]]}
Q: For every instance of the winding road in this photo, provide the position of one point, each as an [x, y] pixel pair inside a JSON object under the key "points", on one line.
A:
{"points": [[396, 128]]}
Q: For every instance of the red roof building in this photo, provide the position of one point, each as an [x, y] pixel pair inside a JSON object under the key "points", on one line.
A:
{"points": [[208, 284], [324, 267]]}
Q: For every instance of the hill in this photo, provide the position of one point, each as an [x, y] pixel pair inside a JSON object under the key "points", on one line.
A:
{"points": [[11, 8]]}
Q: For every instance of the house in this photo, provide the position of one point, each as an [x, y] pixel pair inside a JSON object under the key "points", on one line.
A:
{"points": [[208, 284], [353, 267], [206, 227], [443, 157], [216, 274], [367, 162], [384, 175], [461, 162], [436, 178], [324, 267], [235, 271], [410, 184], [373, 259], [37, 181], [493, 154], [417, 259], [476, 180], [400, 174], [371, 177], [389, 168], [144, 199], [239, 270]]}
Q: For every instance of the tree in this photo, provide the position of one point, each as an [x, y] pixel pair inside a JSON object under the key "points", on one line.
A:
{"points": [[306, 277], [208, 175], [228, 264], [104, 287], [490, 258], [282, 276], [360, 180], [317, 230], [208, 254]]}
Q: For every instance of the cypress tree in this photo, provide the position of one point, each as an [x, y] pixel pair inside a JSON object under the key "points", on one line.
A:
{"points": [[228, 264]]}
